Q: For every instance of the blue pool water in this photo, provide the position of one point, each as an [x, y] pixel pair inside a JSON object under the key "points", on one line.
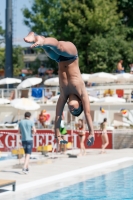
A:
{"points": [[7, 157], [116, 185]]}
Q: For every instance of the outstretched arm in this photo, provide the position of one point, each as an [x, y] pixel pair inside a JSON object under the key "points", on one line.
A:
{"points": [[59, 110], [86, 106]]}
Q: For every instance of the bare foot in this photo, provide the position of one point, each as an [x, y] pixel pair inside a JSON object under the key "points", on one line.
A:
{"points": [[80, 154], [30, 37], [39, 41], [101, 152], [84, 154]]}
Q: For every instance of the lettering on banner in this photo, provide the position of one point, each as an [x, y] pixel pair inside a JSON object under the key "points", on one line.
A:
{"points": [[1, 144], [12, 141], [50, 139], [39, 140]]}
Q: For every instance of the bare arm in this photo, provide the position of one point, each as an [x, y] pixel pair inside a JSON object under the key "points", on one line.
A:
{"points": [[86, 106], [119, 66], [59, 110], [33, 130], [19, 133]]}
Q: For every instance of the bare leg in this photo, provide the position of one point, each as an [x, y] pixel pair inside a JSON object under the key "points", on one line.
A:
{"points": [[83, 146], [80, 140], [26, 162], [106, 142], [102, 143], [66, 49], [64, 145]]}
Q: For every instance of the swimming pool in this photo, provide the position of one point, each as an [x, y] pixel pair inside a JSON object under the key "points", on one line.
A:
{"points": [[116, 185], [8, 157]]}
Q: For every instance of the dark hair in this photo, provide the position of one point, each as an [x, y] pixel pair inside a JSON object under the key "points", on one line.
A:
{"points": [[27, 114], [105, 119], [78, 111]]}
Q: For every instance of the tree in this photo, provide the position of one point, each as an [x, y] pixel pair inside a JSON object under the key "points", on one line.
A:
{"points": [[94, 26], [18, 60], [126, 7], [2, 58]]}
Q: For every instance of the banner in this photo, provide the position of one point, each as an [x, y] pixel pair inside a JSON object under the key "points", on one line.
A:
{"points": [[9, 139]]}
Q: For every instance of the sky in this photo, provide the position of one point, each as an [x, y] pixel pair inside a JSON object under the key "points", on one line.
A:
{"points": [[21, 30]]}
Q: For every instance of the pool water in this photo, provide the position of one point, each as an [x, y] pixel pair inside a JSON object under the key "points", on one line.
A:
{"points": [[7, 157], [116, 185]]}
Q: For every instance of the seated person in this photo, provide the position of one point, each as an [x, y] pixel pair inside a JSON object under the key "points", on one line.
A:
{"points": [[108, 92], [131, 68], [120, 68], [12, 95], [48, 94], [41, 70], [24, 93]]}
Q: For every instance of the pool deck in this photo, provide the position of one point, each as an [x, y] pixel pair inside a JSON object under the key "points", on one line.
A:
{"points": [[56, 171]]}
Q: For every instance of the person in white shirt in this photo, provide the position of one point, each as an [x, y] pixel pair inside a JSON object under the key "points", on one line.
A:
{"points": [[48, 94]]}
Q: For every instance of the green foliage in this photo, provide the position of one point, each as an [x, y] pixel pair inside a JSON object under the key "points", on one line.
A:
{"points": [[2, 58], [18, 62], [94, 26]]}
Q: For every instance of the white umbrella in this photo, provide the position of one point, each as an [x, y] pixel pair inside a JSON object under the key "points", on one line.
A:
{"points": [[85, 77], [54, 98], [4, 101], [93, 99], [124, 77], [7, 81], [29, 82], [52, 82], [102, 77], [25, 104], [111, 100]]}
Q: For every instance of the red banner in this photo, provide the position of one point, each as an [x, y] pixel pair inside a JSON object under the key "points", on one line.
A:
{"points": [[10, 138]]}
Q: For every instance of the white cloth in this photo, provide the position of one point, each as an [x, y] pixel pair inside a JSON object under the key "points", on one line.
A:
{"points": [[62, 124]]}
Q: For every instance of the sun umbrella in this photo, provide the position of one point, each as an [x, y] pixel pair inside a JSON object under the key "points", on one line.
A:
{"points": [[54, 98], [111, 100], [25, 104], [124, 77], [52, 82], [85, 77], [4, 101], [29, 82], [93, 99], [7, 81], [102, 77]]}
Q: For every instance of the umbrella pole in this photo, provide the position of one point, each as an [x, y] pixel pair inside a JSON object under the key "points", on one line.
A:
{"points": [[109, 114], [72, 133]]}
